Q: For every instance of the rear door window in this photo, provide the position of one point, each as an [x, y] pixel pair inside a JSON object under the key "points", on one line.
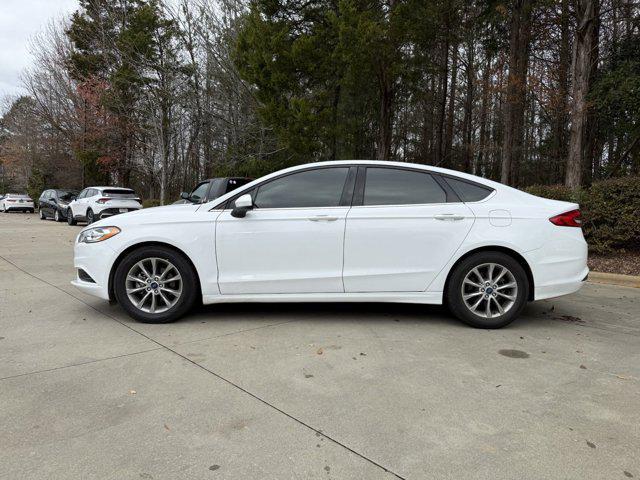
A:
{"points": [[393, 186], [320, 187]]}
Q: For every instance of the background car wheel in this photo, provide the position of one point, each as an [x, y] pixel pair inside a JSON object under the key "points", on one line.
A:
{"points": [[488, 290], [90, 217], [32, 210], [70, 219], [56, 216], [42, 215], [155, 285]]}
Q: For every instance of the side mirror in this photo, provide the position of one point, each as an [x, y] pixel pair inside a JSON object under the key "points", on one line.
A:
{"points": [[242, 205], [185, 196]]}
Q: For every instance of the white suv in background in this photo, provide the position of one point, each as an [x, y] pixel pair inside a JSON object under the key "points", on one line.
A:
{"points": [[95, 203]]}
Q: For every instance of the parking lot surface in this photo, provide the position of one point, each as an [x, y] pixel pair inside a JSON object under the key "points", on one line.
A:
{"points": [[306, 391]]}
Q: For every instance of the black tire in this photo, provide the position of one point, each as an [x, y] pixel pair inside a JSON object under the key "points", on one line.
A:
{"points": [[70, 220], [56, 216], [454, 292], [190, 286], [32, 210], [42, 215], [90, 217]]}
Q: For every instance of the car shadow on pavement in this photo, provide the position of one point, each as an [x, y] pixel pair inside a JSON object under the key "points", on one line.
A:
{"points": [[370, 312]]}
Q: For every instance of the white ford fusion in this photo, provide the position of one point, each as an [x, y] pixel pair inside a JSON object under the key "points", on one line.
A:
{"points": [[352, 231]]}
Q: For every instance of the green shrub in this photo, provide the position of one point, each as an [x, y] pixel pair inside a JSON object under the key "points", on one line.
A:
{"points": [[610, 211], [150, 202], [555, 192], [612, 215]]}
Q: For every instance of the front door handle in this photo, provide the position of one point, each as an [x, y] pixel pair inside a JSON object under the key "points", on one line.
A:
{"points": [[322, 218], [448, 216]]}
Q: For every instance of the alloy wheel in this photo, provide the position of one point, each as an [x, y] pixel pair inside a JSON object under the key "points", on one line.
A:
{"points": [[153, 285], [489, 290]]}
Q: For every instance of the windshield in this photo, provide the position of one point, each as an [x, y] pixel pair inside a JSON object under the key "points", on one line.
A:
{"points": [[17, 195], [199, 192], [66, 194]]}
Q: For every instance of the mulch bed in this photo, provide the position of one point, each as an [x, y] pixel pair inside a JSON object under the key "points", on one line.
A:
{"points": [[627, 263]]}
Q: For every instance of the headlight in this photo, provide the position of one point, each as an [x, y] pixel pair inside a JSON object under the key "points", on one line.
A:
{"points": [[97, 234]]}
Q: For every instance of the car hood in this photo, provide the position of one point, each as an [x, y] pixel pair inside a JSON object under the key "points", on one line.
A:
{"points": [[155, 215]]}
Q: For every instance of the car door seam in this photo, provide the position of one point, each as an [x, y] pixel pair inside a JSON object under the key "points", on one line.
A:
{"points": [[456, 250]]}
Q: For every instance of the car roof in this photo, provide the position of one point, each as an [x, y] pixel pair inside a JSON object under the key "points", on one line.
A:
{"points": [[229, 178], [110, 188]]}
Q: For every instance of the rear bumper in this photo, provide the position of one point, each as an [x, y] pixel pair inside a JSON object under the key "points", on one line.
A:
{"points": [[560, 266], [109, 211], [21, 207]]}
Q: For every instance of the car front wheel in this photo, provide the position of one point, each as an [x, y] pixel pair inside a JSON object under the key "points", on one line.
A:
{"points": [[155, 285], [42, 217], [56, 215], [488, 290], [70, 218]]}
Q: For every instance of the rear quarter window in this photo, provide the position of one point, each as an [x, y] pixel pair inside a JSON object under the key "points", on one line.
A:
{"points": [[467, 191]]}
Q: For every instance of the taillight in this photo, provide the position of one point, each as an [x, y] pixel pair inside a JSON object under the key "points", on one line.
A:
{"points": [[567, 219], [103, 200]]}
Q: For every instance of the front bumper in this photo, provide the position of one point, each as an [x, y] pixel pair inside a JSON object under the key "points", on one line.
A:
{"points": [[96, 260]]}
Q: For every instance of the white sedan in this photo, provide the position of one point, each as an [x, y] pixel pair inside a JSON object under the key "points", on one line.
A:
{"points": [[348, 231], [17, 203]]}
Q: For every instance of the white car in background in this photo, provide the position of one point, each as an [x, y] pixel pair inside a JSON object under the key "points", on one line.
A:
{"points": [[95, 203], [16, 202], [352, 231]]}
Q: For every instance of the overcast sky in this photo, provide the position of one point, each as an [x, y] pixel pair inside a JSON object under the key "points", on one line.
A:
{"points": [[19, 21]]}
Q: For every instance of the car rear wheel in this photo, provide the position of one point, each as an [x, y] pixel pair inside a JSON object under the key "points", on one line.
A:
{"points": [[90, 217], [155, 285], [488, 290], [56, 215]]}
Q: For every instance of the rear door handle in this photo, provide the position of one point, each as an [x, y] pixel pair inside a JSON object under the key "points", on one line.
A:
{"points": [[322, 218], [448, 216]]}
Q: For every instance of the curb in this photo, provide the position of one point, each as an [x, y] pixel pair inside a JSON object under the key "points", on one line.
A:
{"points": [[614, 279]]}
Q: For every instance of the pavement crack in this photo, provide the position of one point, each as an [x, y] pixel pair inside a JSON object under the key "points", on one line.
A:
{"points": [[79, 364], [217, 375]]}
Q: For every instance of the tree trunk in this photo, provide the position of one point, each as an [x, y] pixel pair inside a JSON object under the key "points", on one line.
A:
{"points": [[443, 87], [516, 91], [467, 129], [484, 110], [448, 144], [582, 67], [386, 114], [560, 120]]}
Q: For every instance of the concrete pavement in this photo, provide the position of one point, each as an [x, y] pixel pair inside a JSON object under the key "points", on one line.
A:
{"points": [[306, 391]]}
